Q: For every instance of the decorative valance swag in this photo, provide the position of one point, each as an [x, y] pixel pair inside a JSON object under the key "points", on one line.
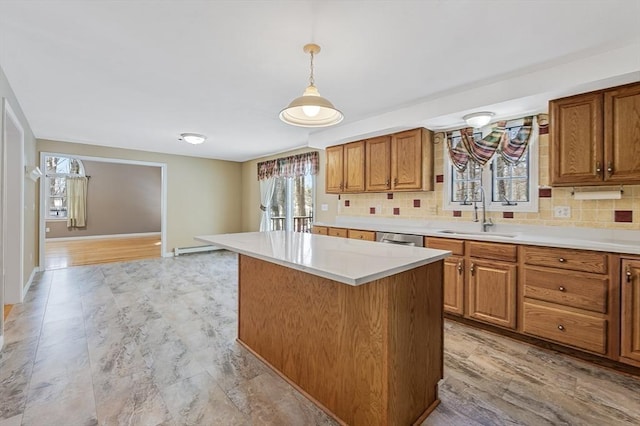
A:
{"points": [[472, 147], [293, 166]]}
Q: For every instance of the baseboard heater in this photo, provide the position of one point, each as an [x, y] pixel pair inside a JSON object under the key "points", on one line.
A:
{"points": [[198, 249]]}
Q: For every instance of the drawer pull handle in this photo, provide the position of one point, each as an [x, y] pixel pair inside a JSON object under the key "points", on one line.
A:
{"points": [[561, 288], [628, 273], [562, 260], [460, 269], [561, 327], [472, 269], [598, 168], [610, 168]]}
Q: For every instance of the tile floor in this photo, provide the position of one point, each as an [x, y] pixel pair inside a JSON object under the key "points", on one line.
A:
{"points": [[152, 343]]}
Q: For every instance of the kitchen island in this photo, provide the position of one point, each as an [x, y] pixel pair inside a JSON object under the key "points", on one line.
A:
{"points": [[355, 325]]}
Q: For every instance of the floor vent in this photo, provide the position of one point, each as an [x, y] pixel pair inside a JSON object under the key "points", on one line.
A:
{"points": [[188, 250]]}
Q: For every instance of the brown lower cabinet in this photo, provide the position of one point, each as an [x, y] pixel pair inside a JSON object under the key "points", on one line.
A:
{"points": [[585, 302], [630, 311], [482, 273]]}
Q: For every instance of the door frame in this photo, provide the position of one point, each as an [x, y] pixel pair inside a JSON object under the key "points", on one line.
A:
{"points": [[12, 207], [43, 180]]}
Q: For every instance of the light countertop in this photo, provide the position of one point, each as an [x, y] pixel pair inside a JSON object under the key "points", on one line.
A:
{"points": [[349, 261], [607, 240]]}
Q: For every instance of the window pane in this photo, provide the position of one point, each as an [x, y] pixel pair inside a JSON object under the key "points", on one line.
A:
{"points": [[57, 186], [465, 184], [510, 181], [57, 165]]}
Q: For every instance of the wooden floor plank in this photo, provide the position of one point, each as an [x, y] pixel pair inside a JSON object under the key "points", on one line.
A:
{"points": [[63, 254]]}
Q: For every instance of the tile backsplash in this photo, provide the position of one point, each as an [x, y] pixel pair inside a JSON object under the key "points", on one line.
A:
{"points": [[615, 214]]}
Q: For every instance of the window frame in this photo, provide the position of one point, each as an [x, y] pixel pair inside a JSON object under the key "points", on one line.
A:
{"points": [[288, 202], [48, 178], [487, 176]]}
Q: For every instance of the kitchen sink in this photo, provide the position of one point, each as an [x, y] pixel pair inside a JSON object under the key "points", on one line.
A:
{"points": [[476, 234]]}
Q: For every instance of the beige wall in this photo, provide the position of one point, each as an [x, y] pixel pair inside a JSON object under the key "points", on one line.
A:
{"points": [[251, 192], [121, 199], [202, 194], [588, 213], [30, 220]]}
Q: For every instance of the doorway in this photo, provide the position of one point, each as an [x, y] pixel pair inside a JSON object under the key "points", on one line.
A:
{"points": [[110, 234], [13, 207]]}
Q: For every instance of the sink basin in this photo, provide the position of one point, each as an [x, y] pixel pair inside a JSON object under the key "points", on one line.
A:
{"points": [[476, 234]]}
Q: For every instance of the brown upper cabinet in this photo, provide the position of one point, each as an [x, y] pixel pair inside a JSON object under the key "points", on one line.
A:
{"points": [[398, 162], [595, 137], [345, 168]]}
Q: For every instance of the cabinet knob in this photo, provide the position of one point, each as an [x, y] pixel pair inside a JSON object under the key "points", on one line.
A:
{"points": [[561, 288], [395, 181], [460, 267], [628, 273], [387, 182], [561, 327], [610, 168], [598, 167], [562, 260], [472, 269]]}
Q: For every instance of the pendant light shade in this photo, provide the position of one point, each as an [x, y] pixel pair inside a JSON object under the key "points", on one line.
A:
{"points": [[311, 109]]}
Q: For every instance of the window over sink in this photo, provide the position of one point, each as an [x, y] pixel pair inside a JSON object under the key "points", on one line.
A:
{"points": [[509, 185]]}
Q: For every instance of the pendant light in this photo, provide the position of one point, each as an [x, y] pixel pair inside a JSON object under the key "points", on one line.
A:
{"points": [[311, 109]]}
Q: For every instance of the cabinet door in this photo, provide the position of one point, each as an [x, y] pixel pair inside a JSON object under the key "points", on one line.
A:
{"points": [[354, 167], [576, 140], [630, 287], [378, 164], [335, 169], [622, 134], [492, 292], [454, 285], [406, 160]]}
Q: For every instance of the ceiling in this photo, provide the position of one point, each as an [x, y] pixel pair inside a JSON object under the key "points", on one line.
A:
{"points": [[137, 74]]}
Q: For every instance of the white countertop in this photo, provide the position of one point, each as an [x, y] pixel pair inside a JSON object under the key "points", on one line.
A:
{"points": [[349, 261], [607, 240]]}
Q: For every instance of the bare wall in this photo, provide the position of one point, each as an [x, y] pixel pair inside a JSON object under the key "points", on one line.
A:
{"points": [[121, 199], [203, 195]]}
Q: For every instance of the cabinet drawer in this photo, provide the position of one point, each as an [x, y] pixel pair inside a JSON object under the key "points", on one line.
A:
{"points": [[576, 260], [337, 232], [577, 289], [320, 230], [362, 235], [506, 252], [454, 246], [570, 328]]}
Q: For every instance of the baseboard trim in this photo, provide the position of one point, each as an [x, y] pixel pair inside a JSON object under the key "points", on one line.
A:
{"points": [[104, 237], [27, 286]]}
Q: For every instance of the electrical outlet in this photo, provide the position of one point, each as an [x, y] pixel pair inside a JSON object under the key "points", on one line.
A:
{"points": [[562, 211], [47, 229]]}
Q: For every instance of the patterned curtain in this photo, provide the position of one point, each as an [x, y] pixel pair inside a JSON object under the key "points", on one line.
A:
{"points": [[457, 152], [482, 150], [293, 166], [512, 150]]}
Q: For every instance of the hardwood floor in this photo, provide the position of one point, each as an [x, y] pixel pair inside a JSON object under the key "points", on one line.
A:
{"points": [[62, 254], [7, 309]]}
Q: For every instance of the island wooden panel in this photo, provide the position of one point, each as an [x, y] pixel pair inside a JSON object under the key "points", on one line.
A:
{"points": [[368, 354]]}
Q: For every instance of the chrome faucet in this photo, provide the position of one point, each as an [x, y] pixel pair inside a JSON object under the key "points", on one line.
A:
{"points": [[485, 223]]}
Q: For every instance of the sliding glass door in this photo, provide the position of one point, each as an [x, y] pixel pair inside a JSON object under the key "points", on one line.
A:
{"points": [[292, 203]]}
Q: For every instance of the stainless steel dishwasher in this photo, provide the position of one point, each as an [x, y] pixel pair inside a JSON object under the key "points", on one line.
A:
{"points": [[400, 239]]}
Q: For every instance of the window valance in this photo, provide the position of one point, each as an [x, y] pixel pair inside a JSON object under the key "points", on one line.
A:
{"points": [[292, 166], [510, 143]]}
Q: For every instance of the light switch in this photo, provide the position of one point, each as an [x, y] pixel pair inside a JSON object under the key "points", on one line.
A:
{"points": [[324, 207]]}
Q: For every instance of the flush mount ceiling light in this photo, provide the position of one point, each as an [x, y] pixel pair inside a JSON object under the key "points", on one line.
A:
{"points": [[193, 138], [478, 119], [311, 109]]}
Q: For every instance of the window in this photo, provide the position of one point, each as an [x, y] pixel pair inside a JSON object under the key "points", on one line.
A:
{"points": [[292, 203], [509, 187], [58, 169]]}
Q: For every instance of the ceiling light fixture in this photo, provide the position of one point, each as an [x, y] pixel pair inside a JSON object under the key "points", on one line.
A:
{"points": [[193, 138], [478, 119], [311, 109]]}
